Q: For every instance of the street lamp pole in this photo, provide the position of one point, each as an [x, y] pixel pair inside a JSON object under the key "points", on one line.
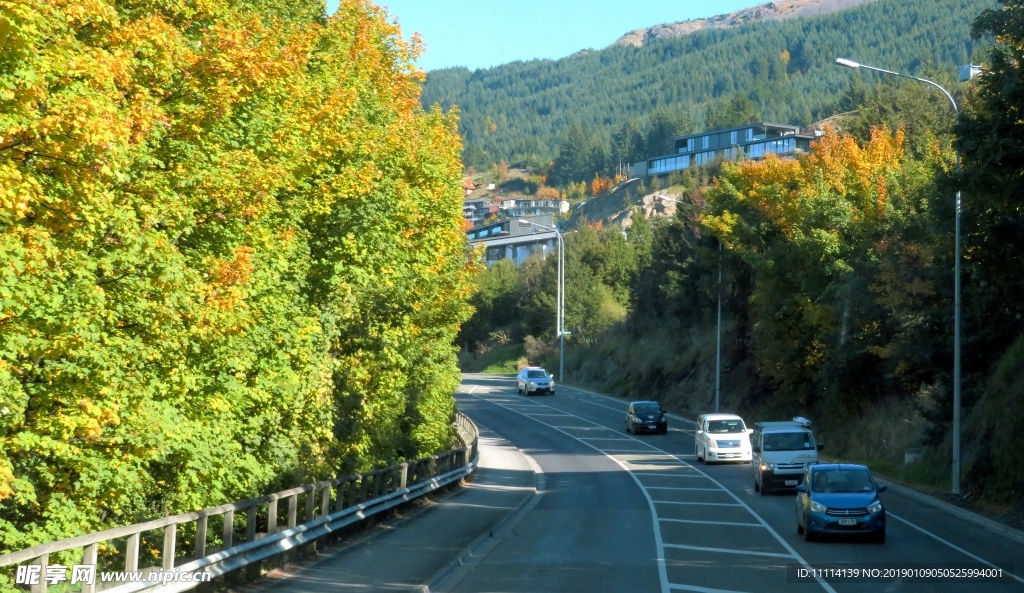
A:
{"points": [[956, 274], [718, 328], [560, 299]]}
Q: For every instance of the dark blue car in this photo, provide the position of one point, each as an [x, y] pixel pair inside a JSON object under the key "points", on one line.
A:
{"points": [[839, 499]]}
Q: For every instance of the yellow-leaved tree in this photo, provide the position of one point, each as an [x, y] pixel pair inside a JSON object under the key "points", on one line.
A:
{"points": [[232, 255]]}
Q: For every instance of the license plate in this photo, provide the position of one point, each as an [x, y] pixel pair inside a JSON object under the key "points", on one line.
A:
{"points": [[847, 521], [792, 482]]}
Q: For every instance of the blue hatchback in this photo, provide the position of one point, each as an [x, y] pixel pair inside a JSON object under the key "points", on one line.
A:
{"points": [[839, 499]]}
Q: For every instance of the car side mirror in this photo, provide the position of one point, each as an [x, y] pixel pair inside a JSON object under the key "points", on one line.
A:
{"points": [[882, 488], [755, 448], [821, 446], [750, 431], [801, 488]]}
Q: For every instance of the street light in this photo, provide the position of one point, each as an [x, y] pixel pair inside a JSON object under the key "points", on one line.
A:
{"points": [[956, 282], [718, 330], [560, 305]]}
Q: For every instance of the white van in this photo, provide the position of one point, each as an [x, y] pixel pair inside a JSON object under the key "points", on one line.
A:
{"points": [[782, 451], [721, 437]]}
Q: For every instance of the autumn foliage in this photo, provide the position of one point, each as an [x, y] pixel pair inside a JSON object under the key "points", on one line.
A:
{"points": [[841, 256], [232, 255]]}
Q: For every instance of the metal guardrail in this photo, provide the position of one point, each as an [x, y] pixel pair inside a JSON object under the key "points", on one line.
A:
{"points": [[328, 506]]}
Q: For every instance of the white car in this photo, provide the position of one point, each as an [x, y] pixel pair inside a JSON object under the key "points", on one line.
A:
{"points": [[533, 380], [722, 437]]}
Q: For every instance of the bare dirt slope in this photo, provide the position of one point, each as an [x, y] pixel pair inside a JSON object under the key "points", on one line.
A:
{"points": [[771, 11]]}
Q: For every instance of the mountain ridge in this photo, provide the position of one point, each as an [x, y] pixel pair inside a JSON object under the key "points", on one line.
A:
{"points": [[769, 11]]}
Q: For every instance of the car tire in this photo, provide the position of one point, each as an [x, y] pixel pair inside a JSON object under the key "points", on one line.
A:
{"points": [[808, 536], [879, 538], [799, 528], [664, 429], [627, 428], [757, 487], [764, 490]]}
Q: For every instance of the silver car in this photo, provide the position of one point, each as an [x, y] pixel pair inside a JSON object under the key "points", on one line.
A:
{"points": [[533, 380]]}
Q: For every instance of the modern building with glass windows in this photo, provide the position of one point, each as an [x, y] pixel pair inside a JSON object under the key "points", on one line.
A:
{"points": [[752, 141], [517, 239]]}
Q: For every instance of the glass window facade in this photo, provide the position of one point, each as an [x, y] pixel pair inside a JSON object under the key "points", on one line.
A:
{"points": [[666, 165]]}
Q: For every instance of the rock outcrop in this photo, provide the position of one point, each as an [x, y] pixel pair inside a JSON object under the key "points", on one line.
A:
{"points": [[771, 11]]}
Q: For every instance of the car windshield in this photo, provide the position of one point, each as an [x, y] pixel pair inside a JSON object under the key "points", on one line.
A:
{"points": [[726, 426], [537, 374], [842, 480], [647, 409], [788, 441]]}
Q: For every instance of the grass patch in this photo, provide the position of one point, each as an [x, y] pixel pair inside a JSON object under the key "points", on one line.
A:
{"points": [[503, 360]]}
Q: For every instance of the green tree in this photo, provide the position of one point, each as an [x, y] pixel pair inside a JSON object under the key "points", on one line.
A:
{"points": [[580, 155], [736, 111]]}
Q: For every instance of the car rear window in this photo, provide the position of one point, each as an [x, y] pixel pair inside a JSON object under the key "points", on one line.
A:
{"points": [[788, 441], [537, 374], [725, 426], [842, 480], [647, 409]]}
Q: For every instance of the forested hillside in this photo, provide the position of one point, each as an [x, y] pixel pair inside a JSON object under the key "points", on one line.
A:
{"points": [[837, 285], [517, 112], [232, 257]]}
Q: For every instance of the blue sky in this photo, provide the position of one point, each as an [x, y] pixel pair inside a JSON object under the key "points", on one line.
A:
{"points": [[484, 33]]}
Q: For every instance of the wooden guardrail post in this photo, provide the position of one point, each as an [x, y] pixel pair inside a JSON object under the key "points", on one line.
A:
{"points": [[170, 539], [200, 543], [250, 524], [272, 518], [131, 553], [40, 586], [325, 501], [293, 509], [228, 532], [89, 556], [362, 489]]}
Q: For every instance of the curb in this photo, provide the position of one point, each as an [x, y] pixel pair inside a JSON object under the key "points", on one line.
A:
{"points": [[982, 521]]}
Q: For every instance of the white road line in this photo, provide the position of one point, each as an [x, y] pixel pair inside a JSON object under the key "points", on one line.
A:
{"points": [[551, 415], [733, 523], [602, 439], [623, 451], [654, 513], [584, 428], [703, 504], [700, 589], [954, 546], [644, 475], [676, 488], [728, 551]]}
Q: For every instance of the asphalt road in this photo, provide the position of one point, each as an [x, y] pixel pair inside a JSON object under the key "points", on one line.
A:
{"points": [[638, 513]]}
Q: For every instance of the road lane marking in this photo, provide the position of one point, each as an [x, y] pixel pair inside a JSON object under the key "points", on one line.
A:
{"points": [[703, 504], [732, 523], [643, 474], [546, 415], [677, 488], [659, 543], [728, 551], [622, 451], [602, 439], [954, 546]]}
